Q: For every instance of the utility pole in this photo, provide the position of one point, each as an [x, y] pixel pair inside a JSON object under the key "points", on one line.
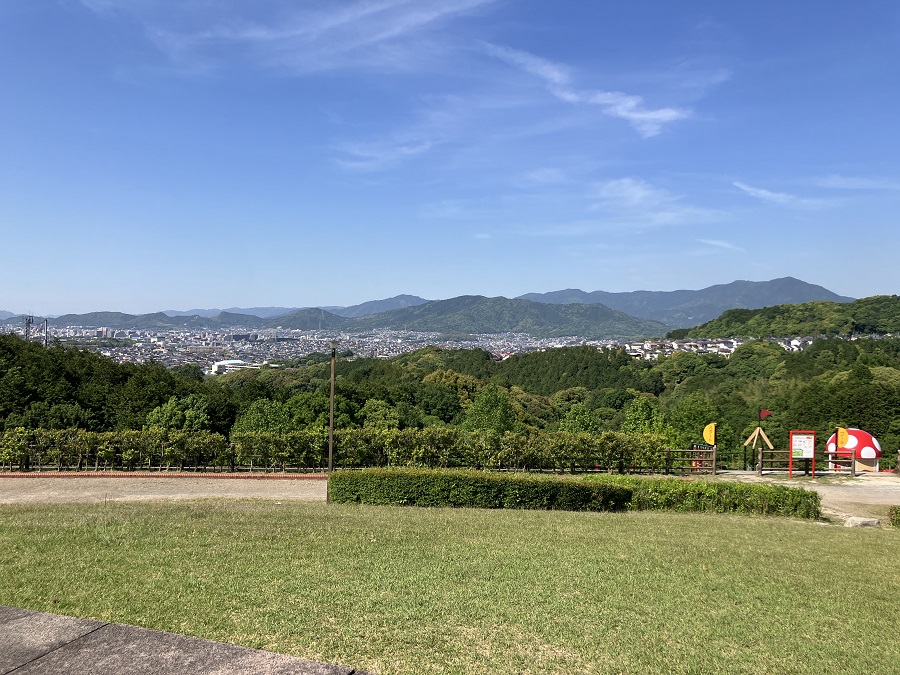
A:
{"points": [[46, 333], [334, 345]]}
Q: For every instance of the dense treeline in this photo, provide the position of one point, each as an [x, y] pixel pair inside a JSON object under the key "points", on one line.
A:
{"points": [[575, 390], [879, 314], [60, 388]]}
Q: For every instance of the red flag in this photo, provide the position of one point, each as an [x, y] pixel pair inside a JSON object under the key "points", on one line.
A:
{"points": [[763, 414]]}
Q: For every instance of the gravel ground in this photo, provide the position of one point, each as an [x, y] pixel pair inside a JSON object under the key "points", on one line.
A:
{"points": [[62, 490]]}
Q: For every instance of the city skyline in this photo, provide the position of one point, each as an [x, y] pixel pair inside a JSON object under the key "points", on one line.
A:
{"points": [[172, 155]]}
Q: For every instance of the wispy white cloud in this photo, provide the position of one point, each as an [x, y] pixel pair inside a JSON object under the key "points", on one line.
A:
{"points": [[857, 183], [632, 193], [435, 123], [641, 205], [629, 205], [718, 243], [307, 38], [558, 80], [780, 198], [546, 176], [454, 209], [377, 155]]}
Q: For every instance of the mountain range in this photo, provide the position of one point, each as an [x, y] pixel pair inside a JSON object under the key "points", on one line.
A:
{"points": [[572, 312], [364, 309], [683, 309]]}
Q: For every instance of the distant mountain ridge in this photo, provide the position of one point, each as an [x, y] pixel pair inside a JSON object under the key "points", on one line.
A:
{"points": [[379, 306], [684, 308], [473, 314], [570, 312], [465, 314], [363, 309], [262, 312], [478, 314]]}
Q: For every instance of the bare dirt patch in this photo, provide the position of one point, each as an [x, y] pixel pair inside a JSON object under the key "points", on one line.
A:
{"points": [[81, 489]]}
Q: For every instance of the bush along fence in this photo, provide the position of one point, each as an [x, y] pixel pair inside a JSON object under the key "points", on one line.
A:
{"points": [[894, 516], [307, 450], [469, 488]]}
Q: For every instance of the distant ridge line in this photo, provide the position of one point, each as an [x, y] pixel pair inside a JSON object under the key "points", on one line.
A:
{"points": [[565, 313]]}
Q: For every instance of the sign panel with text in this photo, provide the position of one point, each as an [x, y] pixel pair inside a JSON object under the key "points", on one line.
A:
{"points": [[803, 446]]}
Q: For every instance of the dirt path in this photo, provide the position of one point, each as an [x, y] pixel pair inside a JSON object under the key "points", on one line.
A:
{"points": [[62, 490], [868, 495]]}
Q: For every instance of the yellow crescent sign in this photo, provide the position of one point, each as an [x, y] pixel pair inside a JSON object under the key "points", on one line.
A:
{"points": [[709, 433], [842, 437]]}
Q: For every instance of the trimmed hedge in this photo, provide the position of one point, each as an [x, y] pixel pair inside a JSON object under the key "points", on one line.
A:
{"points": [[894, 516], [479, 489], [470, 488], [678, 494]]}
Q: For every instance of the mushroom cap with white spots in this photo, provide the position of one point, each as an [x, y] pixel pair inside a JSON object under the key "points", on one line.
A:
{"points": [[865, 444]]}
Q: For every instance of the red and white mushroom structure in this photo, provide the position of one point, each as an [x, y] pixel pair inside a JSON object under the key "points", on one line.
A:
{"points": [[860, 445]]}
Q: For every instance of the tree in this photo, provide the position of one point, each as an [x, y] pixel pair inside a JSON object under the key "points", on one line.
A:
{"points": [[313, 409], [643, 416], [378, 414], [181, 414], [190, 371], [491, 411], [688, 416], [581, 419], [264, 415]]}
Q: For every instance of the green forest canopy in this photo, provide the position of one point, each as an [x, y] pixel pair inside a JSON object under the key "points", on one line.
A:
{"points": [[879, 314], [832, 383]]}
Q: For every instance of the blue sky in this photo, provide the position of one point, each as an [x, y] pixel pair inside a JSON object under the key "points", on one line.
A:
{"points": [[169, 154]]}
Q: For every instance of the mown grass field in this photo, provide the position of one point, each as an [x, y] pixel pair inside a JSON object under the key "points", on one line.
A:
{"points": [[405, 590]]}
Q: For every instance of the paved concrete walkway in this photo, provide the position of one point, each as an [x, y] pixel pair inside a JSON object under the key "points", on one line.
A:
{"points": [[35, 642]]}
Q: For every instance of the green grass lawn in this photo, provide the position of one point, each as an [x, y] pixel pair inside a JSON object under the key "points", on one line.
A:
{"points": [[405, 590]]}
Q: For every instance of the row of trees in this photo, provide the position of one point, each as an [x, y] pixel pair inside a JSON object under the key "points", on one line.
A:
{"points": [[155, 449]]}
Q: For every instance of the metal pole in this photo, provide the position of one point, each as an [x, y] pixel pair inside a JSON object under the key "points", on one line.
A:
{"points": [[331, 412]]}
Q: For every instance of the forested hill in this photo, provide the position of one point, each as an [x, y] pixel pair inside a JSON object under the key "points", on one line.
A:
{"points": [[465, 314], [879, 314], [478, 314]]}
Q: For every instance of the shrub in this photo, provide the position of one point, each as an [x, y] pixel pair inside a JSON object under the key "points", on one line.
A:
{"points": [[470, 488], [425, 487], [677, 494], [894, 516]]}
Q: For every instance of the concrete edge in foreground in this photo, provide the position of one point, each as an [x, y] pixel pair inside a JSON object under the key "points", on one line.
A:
{"points": [[38, 642]]}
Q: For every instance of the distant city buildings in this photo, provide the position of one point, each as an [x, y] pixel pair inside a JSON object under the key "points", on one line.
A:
{"points": [[226, 351]]}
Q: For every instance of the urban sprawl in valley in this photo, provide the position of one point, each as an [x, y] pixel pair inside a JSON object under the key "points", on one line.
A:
{"points": [[224, 351]]}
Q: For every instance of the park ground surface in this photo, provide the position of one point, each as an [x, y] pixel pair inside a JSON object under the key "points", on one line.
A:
{"points": [[268, 564], [867, 495]]}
